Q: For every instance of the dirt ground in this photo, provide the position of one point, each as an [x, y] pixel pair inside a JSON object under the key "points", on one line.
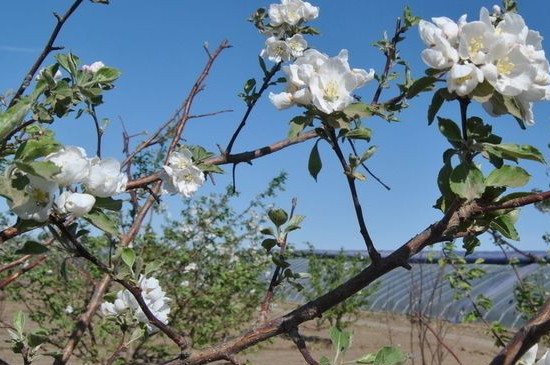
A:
{"points": [[373, 330]]}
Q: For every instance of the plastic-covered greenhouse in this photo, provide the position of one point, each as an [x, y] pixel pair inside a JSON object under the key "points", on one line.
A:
{"points": [[423, 286]]}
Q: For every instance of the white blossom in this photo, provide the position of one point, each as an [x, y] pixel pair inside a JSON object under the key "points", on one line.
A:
{"points": [[39, 193], [153, 296], [73, 163], [181, 175], [105, 178], [530, 356], [68, 309], [190, 267], [292, 12], [76, 204], [463, 79], [325, 82], [94, 67]]}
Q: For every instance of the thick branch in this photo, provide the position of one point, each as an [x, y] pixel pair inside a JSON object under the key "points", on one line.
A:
{"points": [[525, 338], [433, 234]]}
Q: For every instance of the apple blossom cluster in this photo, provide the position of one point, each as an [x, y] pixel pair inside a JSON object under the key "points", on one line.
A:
{"points": [[94, 67], [100, 177], [322, 81], [283, 42], [153, 296], [181, 176], [498, 49], [529, 358]]}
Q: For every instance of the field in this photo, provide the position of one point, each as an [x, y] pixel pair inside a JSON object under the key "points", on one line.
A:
{"points": [[372, 331]]}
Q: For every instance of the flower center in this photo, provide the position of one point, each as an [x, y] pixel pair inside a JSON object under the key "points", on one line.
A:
{"points": [[463, 79], [188, 177], [41, 197], [330, 91], [476, 45], [505, 67]]}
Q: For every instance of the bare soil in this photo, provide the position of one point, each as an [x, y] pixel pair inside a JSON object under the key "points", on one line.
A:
{"points": [[470, 342]]}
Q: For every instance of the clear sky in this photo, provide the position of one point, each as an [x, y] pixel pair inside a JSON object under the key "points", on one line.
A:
{"points": [[158, 47]]}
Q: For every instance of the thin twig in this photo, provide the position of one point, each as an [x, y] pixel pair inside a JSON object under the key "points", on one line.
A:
{"points": [[45, 52], [366, 168], [15, 275], [265, 85], [275, 278], [121, 347], [333, 140], [98, 130], [440, 340]]}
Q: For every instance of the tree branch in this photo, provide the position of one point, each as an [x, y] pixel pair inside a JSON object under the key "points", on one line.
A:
{"points": [[45, 52]]}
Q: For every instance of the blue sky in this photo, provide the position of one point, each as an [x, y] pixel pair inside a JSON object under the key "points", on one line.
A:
{"points": [[158, 47]]}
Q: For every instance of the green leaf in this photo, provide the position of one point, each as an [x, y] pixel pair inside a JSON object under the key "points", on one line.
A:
{"points": [[32, 248], [250, 83], [100, 220], [443, 179], [269, 243], [422, 84], [108, 203], [294, 223], [510, 176], [45, 169], [467, 181], [128, 256], [450, 130], [13, 117], [360, 133], [341, 340], [106, 75], [504, 224], [389, 355], [136, 335], [152, 267], [358, 110], [19, 322], [437, 102], [314, 164], [514, 152], [367, 358], [367, 154], [69, 62], [267, 231], [31, 149], [469, 243], [277, 216], [324, 361]]}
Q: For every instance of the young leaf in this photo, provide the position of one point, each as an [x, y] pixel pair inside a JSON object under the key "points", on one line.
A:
{"points": [[389, 355], [360, 133], [514, 151], [31, 149], [19, 322], [437, 102], [294, 223], [45, 169], [510, 176], [31, 248], [128, 255], [504, 224], [341, 340], [100, 220], [314, 164], [277, 216], [269, 243], [108, 203], [450, 130], [422, 84], [469, 243], [467, 181]]}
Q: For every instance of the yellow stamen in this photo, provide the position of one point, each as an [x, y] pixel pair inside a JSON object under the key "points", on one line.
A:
{"points": [[505, 67], [476, 45], [330, 91]]}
